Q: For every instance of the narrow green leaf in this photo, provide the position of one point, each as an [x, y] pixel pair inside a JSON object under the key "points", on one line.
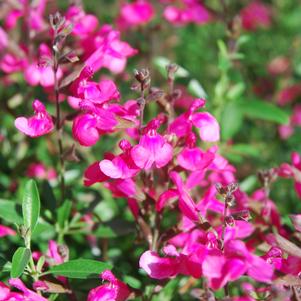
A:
{"points": [[246, 149], [236, 91], [195, 88], [63, 213], [19, 262], [231, 120], [105, 232], [80, 268], [3, 261], [266, 111], [133, 282], [31, 205], [10, 211], [161, 62]]}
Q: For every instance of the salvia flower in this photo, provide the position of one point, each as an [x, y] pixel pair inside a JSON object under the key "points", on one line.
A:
{"points": [[122, 166], [4, 231], [255, 15], [136, 13], [204, 121], [38, 125], [191, 12], [28, 294], [113, 290], [293, 171]]}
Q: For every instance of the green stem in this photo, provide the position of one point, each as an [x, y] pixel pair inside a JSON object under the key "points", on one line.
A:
{"points": [[59, 128]]}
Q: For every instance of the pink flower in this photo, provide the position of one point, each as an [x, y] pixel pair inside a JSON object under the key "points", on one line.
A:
{"points": [[93, 175], [293, 171], [88, 127], [152, 148], [40, 171], [158, 267], [192, 12], [255, 15], [205, 122], [4, 231], [107, 50], [54, 254], [83, 24], [285, 131], [27, 293], [193, 158], [41, 75], [219, 270], [122, 166], [98, 93], [3, 39], [4, 292], [11, 63], [114, 290], [185, 263], [136, 13], [33, 13], [38, 125], [289, 94], [186, 203], [296, 220]]}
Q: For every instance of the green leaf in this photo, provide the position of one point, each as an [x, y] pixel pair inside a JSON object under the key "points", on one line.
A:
{"points": [[266, 111], [63, 213], [236, 91], [10, 211], [105, 232], [168, 292], [231, 120], [19, 262], [31, 205], [131, 281], [161, 62], [195, 88], [47, 197], [80, 268], [3, 261], [43, 232], [246, 149], [248, 184]]}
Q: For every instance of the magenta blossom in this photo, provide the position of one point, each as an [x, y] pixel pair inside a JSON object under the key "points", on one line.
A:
{"points": [[114, 290], [3, 39], [4, 231], [98, 93], [293, 171], [153, 149], [256, 14], [36, 74], [185, 263], [88, 127], [288, 94], [83, 24], [27, 293], [40, 171], [135, 13], [11, 63], [193, 158], [93, 175], [205, 122], [122, 166], [38, 125], [192, 12], [106, 49], [33, 15]]}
